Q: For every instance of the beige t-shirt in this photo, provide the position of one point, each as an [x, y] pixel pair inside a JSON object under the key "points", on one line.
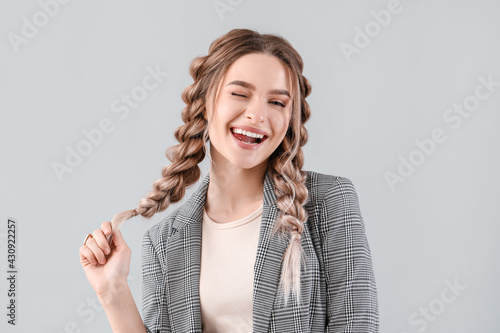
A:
{"points": [[228, 254]]}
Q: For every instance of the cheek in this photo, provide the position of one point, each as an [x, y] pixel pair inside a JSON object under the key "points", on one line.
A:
{"points": [[280, 124], [225, 113], [219, 119]]}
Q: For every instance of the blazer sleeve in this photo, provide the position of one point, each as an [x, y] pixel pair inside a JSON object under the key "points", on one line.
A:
{"points": [[352, 304], [152, 280]]}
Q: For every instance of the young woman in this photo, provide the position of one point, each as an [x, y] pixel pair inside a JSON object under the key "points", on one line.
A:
{"points": [[262, 245]]}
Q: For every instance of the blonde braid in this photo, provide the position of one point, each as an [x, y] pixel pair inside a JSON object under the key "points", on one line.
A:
{"points": [[185, 157], [292, 194]]}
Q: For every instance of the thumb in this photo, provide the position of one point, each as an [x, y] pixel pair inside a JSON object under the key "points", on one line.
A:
{"points": [[118, 239]]}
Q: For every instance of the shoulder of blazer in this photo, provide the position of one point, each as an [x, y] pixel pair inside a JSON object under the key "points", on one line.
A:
{"points": [[319, 184], [329, 197]]}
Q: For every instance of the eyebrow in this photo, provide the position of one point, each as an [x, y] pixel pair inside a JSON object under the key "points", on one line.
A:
{"points": [[252, 87]]}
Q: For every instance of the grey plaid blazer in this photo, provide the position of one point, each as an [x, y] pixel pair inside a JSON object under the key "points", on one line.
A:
{"points": [[337, 283]]}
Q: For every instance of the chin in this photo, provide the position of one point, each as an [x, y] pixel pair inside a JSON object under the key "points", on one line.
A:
{"points": [[247, 164]]}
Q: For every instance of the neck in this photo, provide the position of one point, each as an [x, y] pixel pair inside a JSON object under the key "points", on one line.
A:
{"points": [[233, 189]]}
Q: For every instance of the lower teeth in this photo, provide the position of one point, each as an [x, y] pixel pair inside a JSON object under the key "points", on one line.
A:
{"points": [[248, 143]]}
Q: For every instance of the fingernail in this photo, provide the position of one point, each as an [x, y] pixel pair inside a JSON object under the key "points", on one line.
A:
{"points": [[106, 250]]}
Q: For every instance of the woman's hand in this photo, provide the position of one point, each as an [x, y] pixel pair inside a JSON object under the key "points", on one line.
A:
{"points": [[105, 266]]}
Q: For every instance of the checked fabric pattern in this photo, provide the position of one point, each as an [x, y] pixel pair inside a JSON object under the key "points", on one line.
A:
{"points": [[338, 287]]}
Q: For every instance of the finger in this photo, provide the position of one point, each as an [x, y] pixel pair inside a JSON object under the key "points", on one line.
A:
{"points": [[87, 256], [96, 250], [101, 241], [106, 228]]}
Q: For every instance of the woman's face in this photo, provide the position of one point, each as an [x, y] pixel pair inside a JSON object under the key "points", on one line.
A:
{"points": [[252, 111]]}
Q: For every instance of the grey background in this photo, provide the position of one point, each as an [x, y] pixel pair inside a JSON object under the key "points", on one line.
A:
{"points": [[440, 224]]}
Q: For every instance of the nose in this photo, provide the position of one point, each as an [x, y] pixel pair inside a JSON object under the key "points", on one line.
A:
{"points": [[256, 112]]}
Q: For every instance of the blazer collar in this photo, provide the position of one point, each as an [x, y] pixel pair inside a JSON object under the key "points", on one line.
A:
{"points": [[183, 253]]}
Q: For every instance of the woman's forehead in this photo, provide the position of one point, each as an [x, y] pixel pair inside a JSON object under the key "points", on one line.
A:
{"points": [[259, 69]]}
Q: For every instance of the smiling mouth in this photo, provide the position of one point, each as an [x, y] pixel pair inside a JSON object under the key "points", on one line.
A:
{"points": [[247, 137]]}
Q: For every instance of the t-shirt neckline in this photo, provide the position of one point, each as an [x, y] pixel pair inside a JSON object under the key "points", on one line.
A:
{"points": [[232, 224]]}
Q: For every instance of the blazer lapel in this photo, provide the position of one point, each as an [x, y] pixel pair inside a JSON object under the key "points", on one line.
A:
{"points": [[182, 276], [267, 267]]}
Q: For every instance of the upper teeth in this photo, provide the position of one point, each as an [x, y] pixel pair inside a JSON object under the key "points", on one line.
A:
{"points": [[253, 135]]}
